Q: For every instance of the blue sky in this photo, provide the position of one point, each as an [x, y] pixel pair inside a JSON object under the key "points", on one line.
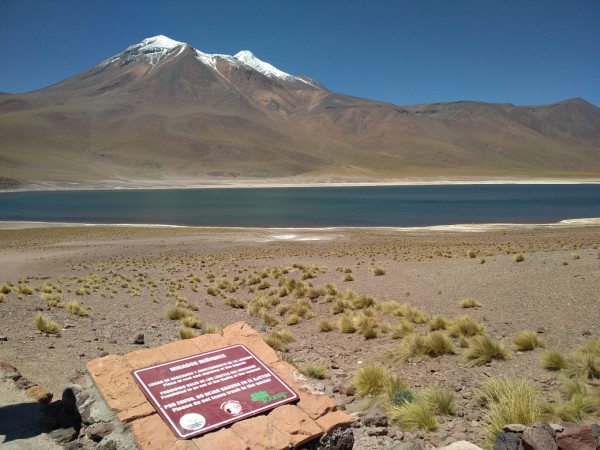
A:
{"points": [[525, 52]]}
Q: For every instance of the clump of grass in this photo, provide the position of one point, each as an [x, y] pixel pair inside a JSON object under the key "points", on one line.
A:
{"points": [[2, 297], [465, 326], [509, 400], [583, 365], [370, 379], [554, 360], [441, 400], [410, 416], [77, 309], [187, 332], [438, 344], [346, 324], [469, 303], [483, 349], [177, 313], [438, 323], [279, 339], [402, 329], [378, 271], [45, 325], [25, 289], [326, 326], [191, 321], [211, 329], [5, 288], [348, 277], [472, 254], [527, 340], [314, 370], [293, 319], [518, 257]]}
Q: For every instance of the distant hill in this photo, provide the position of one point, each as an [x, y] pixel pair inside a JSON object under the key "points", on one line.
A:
{"points": [[162, 110]]}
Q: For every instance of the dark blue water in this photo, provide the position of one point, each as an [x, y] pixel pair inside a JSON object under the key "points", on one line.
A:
{"points": [[310, 207]]}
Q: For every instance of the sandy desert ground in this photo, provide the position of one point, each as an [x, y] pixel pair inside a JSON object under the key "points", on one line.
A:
{"points": [[129, 276]]}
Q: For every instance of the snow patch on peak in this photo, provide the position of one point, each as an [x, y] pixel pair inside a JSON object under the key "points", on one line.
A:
{"points": [[151, 49], [160, 41], [248, 58]]}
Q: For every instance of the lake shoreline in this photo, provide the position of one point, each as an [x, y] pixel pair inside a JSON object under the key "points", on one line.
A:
{"points": [[110, 185]]}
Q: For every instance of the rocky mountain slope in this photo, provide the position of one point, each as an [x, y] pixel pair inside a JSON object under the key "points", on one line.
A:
{"points": [[163, 110]]}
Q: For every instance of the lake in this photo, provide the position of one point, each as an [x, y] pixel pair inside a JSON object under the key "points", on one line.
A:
{"points": [[373, 206]]}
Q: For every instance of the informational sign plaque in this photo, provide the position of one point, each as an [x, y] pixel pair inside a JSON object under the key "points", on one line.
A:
{"points": [[203, 392]]}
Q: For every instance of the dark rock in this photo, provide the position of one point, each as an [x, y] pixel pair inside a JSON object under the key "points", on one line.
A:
{"points": [[508, 441], [375, 418], [64, 435], [538, 437], [98, 431], [3, 338], [139, 339], [576, 438], [340, 438], [69, 402]]}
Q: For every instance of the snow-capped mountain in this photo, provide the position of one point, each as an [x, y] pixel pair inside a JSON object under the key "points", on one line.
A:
{"points": [[161, 109], [159, 48]]}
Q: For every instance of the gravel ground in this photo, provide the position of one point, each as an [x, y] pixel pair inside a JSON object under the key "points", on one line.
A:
{"points": [[128, 277]]}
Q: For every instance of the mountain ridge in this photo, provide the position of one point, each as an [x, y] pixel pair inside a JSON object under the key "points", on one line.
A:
{"points": [[162, 110]]}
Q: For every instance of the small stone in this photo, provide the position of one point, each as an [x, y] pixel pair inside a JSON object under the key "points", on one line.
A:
{"points": [[139, 339], [375, 418], [347, 390], [64, 435], [3, 338], [39, 394], [514, 428], [98, 431], [103, 354], [23, 383]]}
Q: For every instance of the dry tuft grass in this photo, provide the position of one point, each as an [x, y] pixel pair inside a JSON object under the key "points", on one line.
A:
{"points": [[483, 349], [177, 313], [509, 400], [326, 326], [465, 326], [469, 303], [527, 340], [314, 370], [441, 400], [45, 325], [77, 309], [370, 379], [413, 415], [554, 360], [187, 332]]}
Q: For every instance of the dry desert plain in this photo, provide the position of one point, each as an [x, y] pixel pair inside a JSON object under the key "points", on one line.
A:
{"points": [[127, 278]]}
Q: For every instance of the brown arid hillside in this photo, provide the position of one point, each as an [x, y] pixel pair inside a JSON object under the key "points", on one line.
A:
{"points": [[163, 111]]}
